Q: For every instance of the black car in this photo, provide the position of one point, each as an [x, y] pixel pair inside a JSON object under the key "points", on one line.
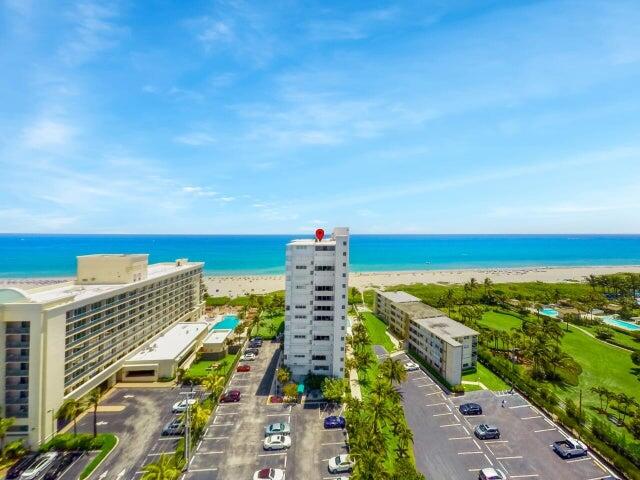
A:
{"points": [[21, 466], [255, 344], [470, 409], [61, 464]]}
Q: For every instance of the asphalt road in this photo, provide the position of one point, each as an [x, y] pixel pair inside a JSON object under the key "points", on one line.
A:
{"points": [[232, 444], [138, 427], [446, 448]]}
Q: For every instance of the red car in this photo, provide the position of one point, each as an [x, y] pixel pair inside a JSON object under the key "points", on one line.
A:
{"points": [[243, 368], [230, 396], [276, 399]]}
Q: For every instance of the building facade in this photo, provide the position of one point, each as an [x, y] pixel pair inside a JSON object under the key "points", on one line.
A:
{"points": [[448, 346], [62, 340], [317, 275]]}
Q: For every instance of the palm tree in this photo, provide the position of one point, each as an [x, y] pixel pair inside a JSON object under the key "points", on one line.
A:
{"points": [[393, 370], [5, 425], [488, 285], [164, 469], [601, 392], [624, 401], [93, 400], [449, 299], [69, 411], [213, 384], [283, 375]]}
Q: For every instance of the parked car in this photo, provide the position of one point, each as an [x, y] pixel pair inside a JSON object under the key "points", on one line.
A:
{"points": [[40, 466], [276, 399], [340, 464], [470, 409], [230, 396], [243, 368], [181, 406], [257, 338], [411, 366], [26, 461], [255, 351], [485, 432], [257, 343], [570, 448], [334, 422], [174, 427], [248, 357], [61, 464], [269, 474], [277, 429], [277, 442], [491, 474]]}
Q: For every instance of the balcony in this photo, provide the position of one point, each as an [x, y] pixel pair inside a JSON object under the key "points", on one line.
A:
{"points": [[17, 372], [17, 328], [11, 400], [16, 387], [16, 358], [17, 411]]}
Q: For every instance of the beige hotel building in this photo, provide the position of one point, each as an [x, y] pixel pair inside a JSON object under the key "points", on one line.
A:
{"points": [[60, 341]]}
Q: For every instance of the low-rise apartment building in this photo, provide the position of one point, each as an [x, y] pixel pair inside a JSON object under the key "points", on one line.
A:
{"points": [[62, 340], [447, 345]]}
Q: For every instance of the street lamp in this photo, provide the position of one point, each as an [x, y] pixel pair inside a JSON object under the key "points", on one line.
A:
{"points": [[187, 429]]}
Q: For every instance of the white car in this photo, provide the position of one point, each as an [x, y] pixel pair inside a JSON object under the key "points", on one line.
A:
{"points": [[181, 406], [269, 474], [411, 366], [340, 464], [277, 442], [42, 463], [491, 474], [248, 357]]}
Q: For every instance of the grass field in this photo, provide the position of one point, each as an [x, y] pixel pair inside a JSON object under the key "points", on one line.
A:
{"points": [[500, 321], [621, 338], [271, 327], [201, 368], [377, 331], [486, 377]]}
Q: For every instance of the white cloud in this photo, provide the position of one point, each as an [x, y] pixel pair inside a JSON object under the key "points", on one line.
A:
{"points": [[227, 199], [46, 133], [195, 139], [215, 31], [199, 191]]}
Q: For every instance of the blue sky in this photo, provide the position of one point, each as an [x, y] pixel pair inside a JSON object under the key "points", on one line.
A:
{"points": [[268, 117]]}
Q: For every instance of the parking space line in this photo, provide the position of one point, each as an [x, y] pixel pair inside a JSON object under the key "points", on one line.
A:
{"points": [[469, 453], [509, 458], [450, 425], [530, 418], [168, 439], [460, 438], [488, 459], [441, 414], [520, 406], [432, 393], [271, 454], [158, 454], [477, 445], [212, 452], [531, 475], [434, 404], [215, 438], [221, 425], [578, 460], [544, 430], [488, 442], [203, 469], [332, 443], [465, 430]]}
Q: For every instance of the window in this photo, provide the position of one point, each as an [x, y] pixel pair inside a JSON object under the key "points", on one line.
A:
{"points": [[321, 367], [321, 338], [299, 336], [324, 288], [324, 308], [325, 298], [301, 267], [325, 248], [301, 306], [319, 357], [324, 268]]}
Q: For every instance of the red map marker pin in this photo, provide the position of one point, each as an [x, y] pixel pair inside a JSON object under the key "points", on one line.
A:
{"points": [[319, 234]]}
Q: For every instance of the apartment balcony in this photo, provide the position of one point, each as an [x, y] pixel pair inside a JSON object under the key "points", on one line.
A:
{"points": [[17, 411], [13, 400], [17, 372], [17, 344], [18, 387], [11, 357], [17, 328]]}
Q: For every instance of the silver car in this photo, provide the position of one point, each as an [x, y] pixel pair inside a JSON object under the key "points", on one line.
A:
{"points": [[277, 442], [277, 429], [41, 465]]}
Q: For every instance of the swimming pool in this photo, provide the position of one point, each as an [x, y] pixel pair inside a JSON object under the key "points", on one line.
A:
{"points": [[616, 322], [228, 322], [549, 312]]}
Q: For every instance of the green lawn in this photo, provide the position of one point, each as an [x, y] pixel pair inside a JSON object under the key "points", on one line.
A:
{"points": [[271, 327], [621, 338], [109, 442], [201, 367], [500, 321], [485, 376], [377, 331]]}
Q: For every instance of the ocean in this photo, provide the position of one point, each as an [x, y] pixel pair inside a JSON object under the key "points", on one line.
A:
{"points": [[29, 255]]}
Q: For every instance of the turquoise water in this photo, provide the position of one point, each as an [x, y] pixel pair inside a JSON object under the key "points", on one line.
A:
{"points": [[23, 255], [549, 312], [616, 322], [228, 322]]}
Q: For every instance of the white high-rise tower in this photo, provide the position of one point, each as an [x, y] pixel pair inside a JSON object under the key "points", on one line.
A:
{"points": [[316, 305]]}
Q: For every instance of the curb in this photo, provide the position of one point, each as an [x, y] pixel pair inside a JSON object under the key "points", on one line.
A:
{"points": [[105, 457]]}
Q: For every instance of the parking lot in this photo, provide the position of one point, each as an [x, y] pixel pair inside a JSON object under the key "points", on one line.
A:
{"points": [[445, 446], [232, 444], [142, 414]]}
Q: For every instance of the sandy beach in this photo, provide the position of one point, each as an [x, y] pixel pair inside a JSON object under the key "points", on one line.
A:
{"points": [[243, 284], [235, 285]]}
